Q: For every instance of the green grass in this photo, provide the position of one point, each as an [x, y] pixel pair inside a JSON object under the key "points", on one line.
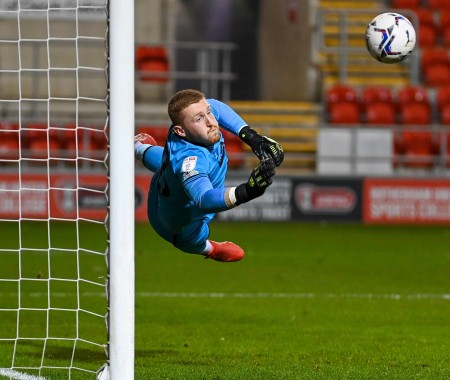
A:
{"points": [[309, 301]]}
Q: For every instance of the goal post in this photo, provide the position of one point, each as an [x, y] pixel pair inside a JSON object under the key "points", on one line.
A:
{"points": [[121, 189], [67, 201]]}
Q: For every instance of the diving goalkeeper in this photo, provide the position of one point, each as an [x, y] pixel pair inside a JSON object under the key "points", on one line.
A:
{"points": [[187, 188]]}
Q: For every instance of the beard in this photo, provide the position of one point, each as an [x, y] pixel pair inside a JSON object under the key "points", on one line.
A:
{"points": [[213, 135]]}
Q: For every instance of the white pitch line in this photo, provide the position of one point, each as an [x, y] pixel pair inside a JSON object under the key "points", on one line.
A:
{"points": [[295, 295], [393, 296], [18, 375]]}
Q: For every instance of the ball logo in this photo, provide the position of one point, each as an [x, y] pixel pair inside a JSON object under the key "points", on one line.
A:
{"points": [[311, 199]]}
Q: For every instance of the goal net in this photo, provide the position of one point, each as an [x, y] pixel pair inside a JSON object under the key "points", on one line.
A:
{"points": [[54, 188]]}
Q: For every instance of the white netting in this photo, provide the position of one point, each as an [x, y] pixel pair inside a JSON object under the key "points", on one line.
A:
{"points": [[53, 183]]}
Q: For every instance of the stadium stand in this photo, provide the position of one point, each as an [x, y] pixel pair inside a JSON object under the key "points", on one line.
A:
{"points": [[293, 124]]}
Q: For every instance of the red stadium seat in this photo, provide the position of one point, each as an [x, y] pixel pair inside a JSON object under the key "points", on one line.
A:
{"points": [[414, 105], [444, 27], [437, 75], [380, 113], [9, 141], [377, 94], [445, 114], [428, 36], [83, 142], [343, 104], [418, 148], [344, 113], [444, 18], [378, 105], [447, 155], [415, 109], [443, 96], [235, 149], [412, 94], [433, 56], [415, 114], [425, 16], [445, 35], [405, 4], [341, 93], [435, 67], [438, 5], [152, 60], [159, 133], [41, 141]]}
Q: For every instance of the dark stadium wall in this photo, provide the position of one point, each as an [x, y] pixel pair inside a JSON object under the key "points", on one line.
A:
{"points": [[285, 51], [233, 21]]}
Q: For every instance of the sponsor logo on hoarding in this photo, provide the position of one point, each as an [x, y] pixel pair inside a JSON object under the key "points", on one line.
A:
{"points": [[311, 199]]}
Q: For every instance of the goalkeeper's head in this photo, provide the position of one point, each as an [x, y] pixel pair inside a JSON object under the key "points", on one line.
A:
{"points": [[181, 100], [192, 118]]}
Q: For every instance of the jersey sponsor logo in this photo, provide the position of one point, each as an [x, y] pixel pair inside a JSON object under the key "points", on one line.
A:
{"points": [[189, 174], [189, 164]]}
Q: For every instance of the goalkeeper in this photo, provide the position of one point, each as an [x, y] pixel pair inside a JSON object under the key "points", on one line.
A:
{"points": [[187, 188]]}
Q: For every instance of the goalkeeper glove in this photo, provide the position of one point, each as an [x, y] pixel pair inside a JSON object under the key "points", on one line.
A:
{"points": [[260, 179], [262, 146]]}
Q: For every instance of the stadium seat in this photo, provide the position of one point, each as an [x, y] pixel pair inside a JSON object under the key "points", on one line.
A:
{"points": [[83, 142], [343, 105], [444, 114], [415, 114], [445, 34], [416, 145], [444, 27], [235, 149], [152, 60], [378, 105], [435, 66], [438, 5], [414, 105], [9, 141], [42, 142], [428, 36], [442, 97], [434, 56], [405, 4], [341, 93], [413, 94], [380, 113], [158, 132], [377, 94], [425, 16], [344, 113], [419, 149], [447, 153], [437, 75]]}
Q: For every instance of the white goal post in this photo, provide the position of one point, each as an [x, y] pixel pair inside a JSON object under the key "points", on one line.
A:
{"points": [[67, 201], [121, 226]]}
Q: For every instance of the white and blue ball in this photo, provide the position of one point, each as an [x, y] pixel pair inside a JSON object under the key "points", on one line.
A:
{"points": [[390, 37]]}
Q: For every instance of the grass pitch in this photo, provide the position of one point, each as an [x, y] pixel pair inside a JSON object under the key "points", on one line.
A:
{"points": [[309, 301]]}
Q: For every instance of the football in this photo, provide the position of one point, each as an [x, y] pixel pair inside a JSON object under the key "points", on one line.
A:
{"points": [[390, 38]]}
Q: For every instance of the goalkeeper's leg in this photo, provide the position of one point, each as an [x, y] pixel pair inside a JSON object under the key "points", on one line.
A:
{"points": [[193, 238]]}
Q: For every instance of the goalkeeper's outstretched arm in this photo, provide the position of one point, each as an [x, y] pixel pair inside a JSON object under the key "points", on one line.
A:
{"points": [[209, 199], [262, 146]]}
